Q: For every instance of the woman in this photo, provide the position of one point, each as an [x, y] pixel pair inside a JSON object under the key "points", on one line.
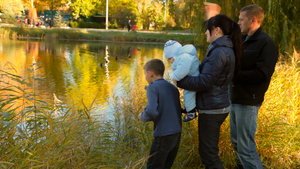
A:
{"points": [[216, 72]]}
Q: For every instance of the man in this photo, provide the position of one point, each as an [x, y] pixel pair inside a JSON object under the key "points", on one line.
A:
{"points": [[250, 84], [129, 25]]}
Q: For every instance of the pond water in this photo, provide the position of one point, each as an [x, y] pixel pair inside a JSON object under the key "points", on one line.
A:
{"points": [[80, 72]]}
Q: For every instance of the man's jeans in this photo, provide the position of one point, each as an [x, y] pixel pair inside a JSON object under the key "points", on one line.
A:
{"points": [[243, 125], [163, 151]]}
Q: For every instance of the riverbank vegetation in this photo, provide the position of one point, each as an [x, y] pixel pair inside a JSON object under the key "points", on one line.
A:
{"points": [[281, 20], [88, 35], [38, 133]]}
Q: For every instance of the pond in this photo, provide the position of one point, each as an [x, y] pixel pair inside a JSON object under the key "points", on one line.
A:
{"points": [[78, 73]]}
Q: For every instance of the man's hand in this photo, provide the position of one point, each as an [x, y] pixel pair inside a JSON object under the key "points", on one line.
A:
{"points": [[211, 9]]}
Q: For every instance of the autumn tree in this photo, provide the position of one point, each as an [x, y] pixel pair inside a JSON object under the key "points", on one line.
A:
{"points": [[86, 8], [10, 9], [51, 5], [120, 11], [156, 15], [143, 13]]}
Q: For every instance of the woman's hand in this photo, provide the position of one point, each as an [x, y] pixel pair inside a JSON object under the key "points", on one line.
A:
{"points": [[175, 82]]}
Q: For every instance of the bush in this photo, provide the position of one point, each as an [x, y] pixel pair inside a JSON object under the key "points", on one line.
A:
{"points": [[177, 28], [87, 25], [74, 24]]}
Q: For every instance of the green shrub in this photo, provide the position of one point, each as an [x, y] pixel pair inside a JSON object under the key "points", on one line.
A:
{"points": [[87, 25], [74, 24]]}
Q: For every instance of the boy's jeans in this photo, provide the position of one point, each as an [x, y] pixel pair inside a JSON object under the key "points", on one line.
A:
{"points": [[163, 151], [243, 125]]}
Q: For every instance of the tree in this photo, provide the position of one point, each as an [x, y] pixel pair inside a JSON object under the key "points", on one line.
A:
{"points": [[86, 8], [281, 20], [143, 12], [50, 5], [10, 9], [156, 15], [121, 11], [58, 20]]}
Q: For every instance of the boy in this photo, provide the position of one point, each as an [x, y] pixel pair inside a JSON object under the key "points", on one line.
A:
{"points": [[164, 110], [184, 62]]}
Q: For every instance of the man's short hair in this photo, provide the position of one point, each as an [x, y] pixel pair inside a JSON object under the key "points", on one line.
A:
{"points": [[254, 10], [156, 66]]}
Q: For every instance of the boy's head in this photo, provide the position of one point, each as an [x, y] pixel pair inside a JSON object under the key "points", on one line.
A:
{"points": [[154, 69], [171, 49]]}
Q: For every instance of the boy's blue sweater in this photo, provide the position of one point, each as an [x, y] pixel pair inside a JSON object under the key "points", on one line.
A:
{"points": [[163, 108]]}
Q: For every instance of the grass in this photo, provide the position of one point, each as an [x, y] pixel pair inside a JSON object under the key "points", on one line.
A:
{"points": [[84, 34], [279, 129], [37, 133]]}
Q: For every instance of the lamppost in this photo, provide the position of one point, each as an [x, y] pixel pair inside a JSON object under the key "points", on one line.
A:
{"points": [[106, 26], [165, 18]]}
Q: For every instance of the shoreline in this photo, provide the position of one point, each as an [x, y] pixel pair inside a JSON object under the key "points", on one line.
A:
{"points": [[118, 36]]}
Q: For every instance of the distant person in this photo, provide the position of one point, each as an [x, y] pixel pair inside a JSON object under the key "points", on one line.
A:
{"points": [[70, 20], [50, 22], [46, 22], [134, 27], [129, 25], [40, 23], [250, 84], [28, 22], [33, 23], [184, 62], [163, 108], [216, 72], [25, 21]]}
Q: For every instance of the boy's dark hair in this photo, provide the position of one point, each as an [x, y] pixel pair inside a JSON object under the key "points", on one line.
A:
{"points": [[155, 65]]}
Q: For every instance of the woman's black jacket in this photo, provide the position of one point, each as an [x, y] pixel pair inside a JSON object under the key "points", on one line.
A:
{"points": [[216, 72]]}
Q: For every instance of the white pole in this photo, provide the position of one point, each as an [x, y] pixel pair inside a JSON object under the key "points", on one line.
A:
{"points": [[165, 19], [106, 15]]}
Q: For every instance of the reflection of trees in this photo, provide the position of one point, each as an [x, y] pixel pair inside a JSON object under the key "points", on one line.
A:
{"points": [[12, 59], [73, 71]]}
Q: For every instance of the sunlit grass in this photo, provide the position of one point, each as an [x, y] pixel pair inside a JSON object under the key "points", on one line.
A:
{"points": [[36, 133], [279, 124]]}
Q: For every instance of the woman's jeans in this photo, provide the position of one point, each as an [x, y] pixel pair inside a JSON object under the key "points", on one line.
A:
{"points": [[163, 151], [209, 132], [243, 125]]}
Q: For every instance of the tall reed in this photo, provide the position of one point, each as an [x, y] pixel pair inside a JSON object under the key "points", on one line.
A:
{"points": [[278, 124], [40, 134], [37, 133], [278, 133]]}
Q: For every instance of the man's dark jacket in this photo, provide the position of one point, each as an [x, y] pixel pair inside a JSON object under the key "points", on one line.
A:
{"points": [[216, 72], [257, 66]]}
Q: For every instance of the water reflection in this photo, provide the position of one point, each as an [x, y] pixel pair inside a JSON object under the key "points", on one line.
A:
{"points": [[78, 73], [106, 63]]}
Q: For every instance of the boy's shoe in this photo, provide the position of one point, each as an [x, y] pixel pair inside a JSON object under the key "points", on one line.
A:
{"points": [[189, 116]]}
